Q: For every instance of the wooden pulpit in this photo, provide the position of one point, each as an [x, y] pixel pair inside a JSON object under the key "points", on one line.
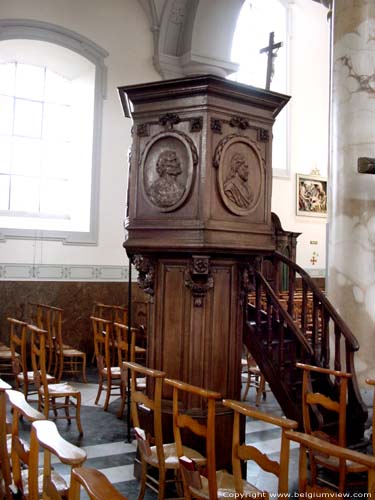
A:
{"points": [[198, 218]]}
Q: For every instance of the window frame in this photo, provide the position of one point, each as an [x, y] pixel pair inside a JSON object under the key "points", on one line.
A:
{"points": [[25, 29]]}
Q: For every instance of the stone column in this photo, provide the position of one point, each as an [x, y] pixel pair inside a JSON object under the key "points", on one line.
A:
{"points": [[351, 245]]}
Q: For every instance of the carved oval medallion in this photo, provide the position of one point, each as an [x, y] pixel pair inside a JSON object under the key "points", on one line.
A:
{"points": [[167, 170], [240, 173]]}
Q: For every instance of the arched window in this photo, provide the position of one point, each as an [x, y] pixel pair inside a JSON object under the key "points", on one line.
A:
{"points": [[256, 21], [51, 92]]}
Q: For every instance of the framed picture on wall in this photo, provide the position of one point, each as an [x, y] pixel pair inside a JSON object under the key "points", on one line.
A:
{"points": [[311, 195]]}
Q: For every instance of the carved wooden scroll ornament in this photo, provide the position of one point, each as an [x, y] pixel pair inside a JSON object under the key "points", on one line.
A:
{"points": [[199, 278]]}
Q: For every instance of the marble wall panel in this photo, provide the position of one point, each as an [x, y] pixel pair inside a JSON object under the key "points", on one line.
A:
{"points": [[76, 298]]}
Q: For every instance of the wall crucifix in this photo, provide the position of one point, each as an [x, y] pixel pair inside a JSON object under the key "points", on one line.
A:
{"points": [[271, 51]]}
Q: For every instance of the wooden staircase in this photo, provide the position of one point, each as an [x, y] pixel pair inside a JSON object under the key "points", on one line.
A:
{"points": [[300, 326]]}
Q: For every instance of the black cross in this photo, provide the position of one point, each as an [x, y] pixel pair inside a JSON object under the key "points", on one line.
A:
{"points": [[271, 50]]}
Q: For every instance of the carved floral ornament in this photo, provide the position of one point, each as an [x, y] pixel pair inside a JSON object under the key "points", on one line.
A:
{"points": [[241, 123], [241, 172], [167, 166], [247, 276], [146, 272], [168, 120], [247, 279]]}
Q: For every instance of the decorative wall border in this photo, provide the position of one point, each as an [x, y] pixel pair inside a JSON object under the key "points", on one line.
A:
{"points": [[59, 272]]}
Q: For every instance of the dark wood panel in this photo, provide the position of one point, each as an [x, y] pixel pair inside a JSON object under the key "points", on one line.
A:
{"points": [[171, 324], [199, 206]]}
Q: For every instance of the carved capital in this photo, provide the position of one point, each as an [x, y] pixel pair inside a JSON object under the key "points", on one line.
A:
{"points": [[146, 273], [199, 278]]}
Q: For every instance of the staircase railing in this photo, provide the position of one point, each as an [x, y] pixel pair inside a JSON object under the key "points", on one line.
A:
{"points": [[277, 343], [266, 300], [320, 325]]}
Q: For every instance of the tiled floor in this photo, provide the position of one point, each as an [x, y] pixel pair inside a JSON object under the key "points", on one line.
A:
{"points": [[107, 450]]}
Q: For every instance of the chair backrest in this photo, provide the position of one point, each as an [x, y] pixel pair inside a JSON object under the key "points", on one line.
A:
{"points": [[55, 333], [55, 324], [38, 357], [22, 455], [5, 468], [245, 452], [124, 343], [311, 400], [310, 444], [40, 315], [111, 312], [154, 385], [120, 314], [18, 346], [371, 382], [95, 483], [44, 434], [250, 361], [101, 310], [47, 318], [103, 332], [182, 419], [35, 313]]}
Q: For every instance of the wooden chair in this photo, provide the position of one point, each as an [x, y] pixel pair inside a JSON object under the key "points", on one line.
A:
{"points": [[123, 344], [109, 375], [140, 313], [115, 313], [241, 452], [6, 365], [24, 379], [182, 421], [312, 404], [50, 395], [68, 359], [371, 382], [44, 434], [5, 467], [40, 315], [24, 458], [120, 314], [95, 483], [162, 456], [254, 377], [308, 487]]}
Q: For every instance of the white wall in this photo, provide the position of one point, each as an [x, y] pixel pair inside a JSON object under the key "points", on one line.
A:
{"points": [[121, 28], [309, 88]]}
